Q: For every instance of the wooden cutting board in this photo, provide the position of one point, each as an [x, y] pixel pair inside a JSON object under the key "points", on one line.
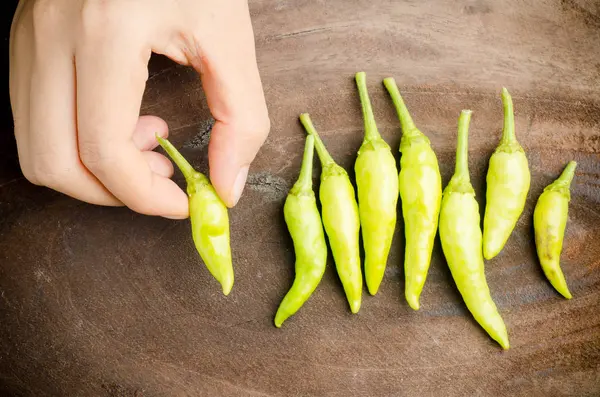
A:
{"points": [[104, 302]]}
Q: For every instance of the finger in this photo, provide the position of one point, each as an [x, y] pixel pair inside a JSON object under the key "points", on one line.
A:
{"points": [[159, 164], [235, 96], [20, 52], [54, 153], [111, 75], [144, 137]]}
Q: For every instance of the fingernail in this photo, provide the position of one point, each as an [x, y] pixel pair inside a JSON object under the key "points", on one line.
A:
{"points": [[240, 183], [161, 168], [175, 217]]}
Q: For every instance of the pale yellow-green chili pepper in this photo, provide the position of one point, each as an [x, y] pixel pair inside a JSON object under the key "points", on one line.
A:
{"points": [[377, 186], [306, 229], [549, 223], [460, 234], [508, 180], [420, 185], [340, 219], [209, 219]]}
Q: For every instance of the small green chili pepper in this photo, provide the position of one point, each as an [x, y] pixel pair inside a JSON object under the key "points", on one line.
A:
{"points": [[420, 185], [549, 223], [461, 239], [377, 186], [340, 219], [209, 219], [508, 180], [306, 229]]}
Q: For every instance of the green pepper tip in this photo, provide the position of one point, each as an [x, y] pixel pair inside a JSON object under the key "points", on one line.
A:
{"points": [[355, 306], [559, 283], [278, 321], [227, 286], [372, 287], [413, 302]]}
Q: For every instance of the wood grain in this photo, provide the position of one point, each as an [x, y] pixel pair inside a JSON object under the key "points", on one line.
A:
{"points": [[103, 302]]}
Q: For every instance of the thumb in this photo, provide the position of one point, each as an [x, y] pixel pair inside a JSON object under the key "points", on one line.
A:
{"points": [[231, 150], [231, 82]]}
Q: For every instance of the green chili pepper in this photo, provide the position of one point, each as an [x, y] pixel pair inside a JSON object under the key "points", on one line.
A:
{"points": [[420, 185], [340, 219], [209, 219], [377, 186], [304, 224], [461, 239], [508, 180], [549, 223]]}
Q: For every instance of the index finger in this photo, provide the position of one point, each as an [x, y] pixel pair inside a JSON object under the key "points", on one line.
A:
{"points": [[112, 70]]}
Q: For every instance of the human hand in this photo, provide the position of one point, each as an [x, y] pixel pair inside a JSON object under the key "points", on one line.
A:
{"points": [[78, 70]]}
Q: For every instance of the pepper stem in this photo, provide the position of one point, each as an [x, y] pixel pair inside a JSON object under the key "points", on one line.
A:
{"points": [[508, 133], [305, 178], [566, 177], [184, 166], [462, 148], [322, 152], [371, 132], [408, 125]]}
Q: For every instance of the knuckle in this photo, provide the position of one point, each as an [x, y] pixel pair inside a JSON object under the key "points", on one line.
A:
{"points": [[92, 159], [258, 127], [264, 126], [143, 207], [46, 15], [30, 175], [44, 10], [52, 173]]}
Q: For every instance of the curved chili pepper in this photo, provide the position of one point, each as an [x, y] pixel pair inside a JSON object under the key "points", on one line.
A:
{"points": [[306, 229], [549, 223], [377, 186], [420, 185], [508, 180], [340, 219], [461, 239], [209, 219]]}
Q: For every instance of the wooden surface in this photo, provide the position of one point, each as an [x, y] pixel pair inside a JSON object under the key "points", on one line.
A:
{"points": [[104, 302]]}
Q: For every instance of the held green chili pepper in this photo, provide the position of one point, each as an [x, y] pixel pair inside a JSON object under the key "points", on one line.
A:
{"points": [[377, 185], [306, 229], [461, 239], [420, 185], [340, 219], [508, 180], [209, 219], [549, 223]]}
